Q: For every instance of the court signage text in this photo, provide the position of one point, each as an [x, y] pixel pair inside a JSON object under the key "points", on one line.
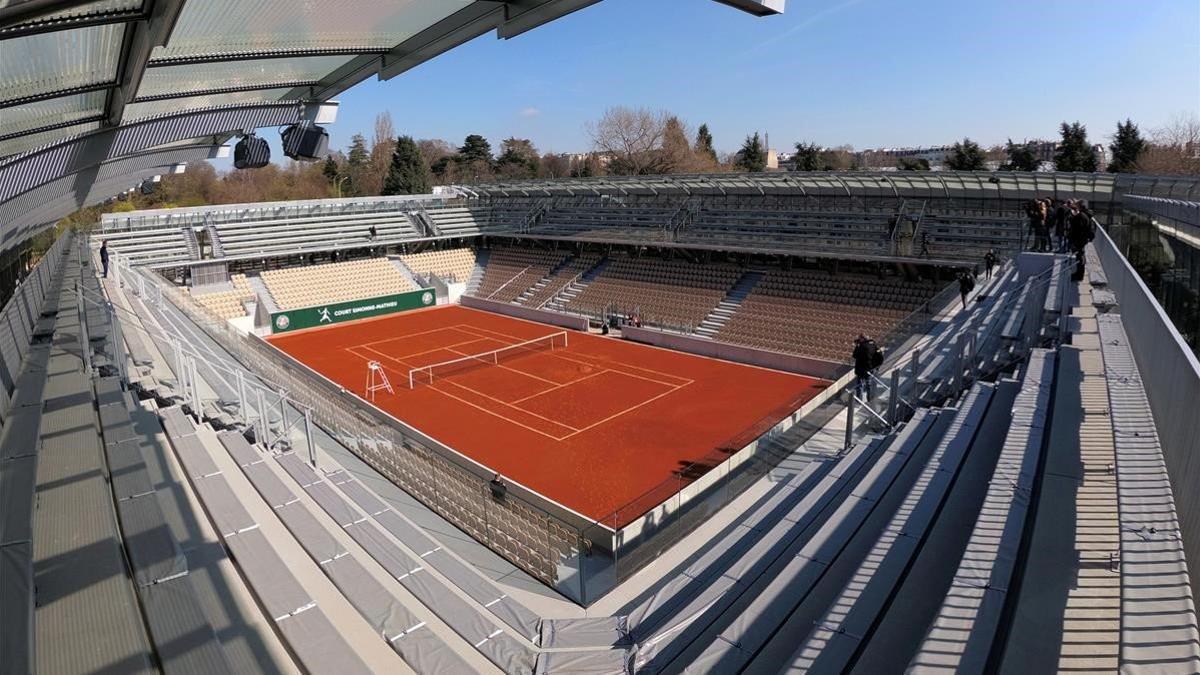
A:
{"points": [[321, 315]]}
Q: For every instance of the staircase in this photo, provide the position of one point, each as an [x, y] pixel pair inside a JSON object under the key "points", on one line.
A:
{"points": [[264, 294], [193, 245], [541, 283], [406, 272], [214, 240], [481, 260], [576, 287], [724, 310], [430, 228]]}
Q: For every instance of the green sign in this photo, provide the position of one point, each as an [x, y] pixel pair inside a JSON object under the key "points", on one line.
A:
{"points": [[324, 315]]}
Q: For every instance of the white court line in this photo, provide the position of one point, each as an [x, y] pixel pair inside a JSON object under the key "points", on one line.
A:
{"points": [[627, 410], [564, 384], [408, 335], [489, 411], [438, 349], [683, 380], [492, 398], [511, 370]]}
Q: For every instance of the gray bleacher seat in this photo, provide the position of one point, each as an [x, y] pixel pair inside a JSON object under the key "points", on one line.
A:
{"points": [[962, 635]]}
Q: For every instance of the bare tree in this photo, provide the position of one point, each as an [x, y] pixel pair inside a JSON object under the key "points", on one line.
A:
{"points": [[632, 138], [1174, 148]]}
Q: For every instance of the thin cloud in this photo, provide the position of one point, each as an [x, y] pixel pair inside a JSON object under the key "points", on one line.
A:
{"points": [[530, 112], [805, 23]]}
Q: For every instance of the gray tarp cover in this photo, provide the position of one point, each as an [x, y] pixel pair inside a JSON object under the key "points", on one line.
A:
{"points": [[196, 460], [320, 647], [183, 638], [241, 450], [223, 504], [316, 540], [419, 646], [603, 662], [153, 552], [276, 588], [585, 632], [272, 489], [18, 484], [16, 606]]}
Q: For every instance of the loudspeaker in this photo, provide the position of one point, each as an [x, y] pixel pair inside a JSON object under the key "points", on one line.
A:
{"points": [[305, 142], [251, 152]]}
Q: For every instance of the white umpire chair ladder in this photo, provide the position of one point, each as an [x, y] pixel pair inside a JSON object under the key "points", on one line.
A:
{"points": [[376, 379]]}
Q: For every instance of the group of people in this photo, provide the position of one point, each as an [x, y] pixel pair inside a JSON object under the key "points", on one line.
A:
{"points": [[1052, 222], [1069, 221]]}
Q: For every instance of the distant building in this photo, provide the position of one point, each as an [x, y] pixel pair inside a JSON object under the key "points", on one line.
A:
{"points": [[887, 158]]}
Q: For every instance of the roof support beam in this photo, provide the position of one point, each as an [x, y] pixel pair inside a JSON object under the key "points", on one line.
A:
{"points": [[24, 11], [224, 90], [55, 94], [68, 23], [525, 15], [462, 26], [141, 38]]}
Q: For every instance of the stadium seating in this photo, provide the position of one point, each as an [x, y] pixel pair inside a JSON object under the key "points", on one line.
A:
{"points": [[453, 265], [459, 221], [784, 228], [607, 220], [511, 271], [814, 314], [288, 235], [663, 293], [967, 237], [149, 246], [334, 282], [228, 304]]}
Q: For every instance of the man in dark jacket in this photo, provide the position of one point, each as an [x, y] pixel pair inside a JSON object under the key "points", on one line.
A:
{"points": [[1080, 231], [989, 261], [1062, 211], [104, 257], [864, 362], [966, 284]]}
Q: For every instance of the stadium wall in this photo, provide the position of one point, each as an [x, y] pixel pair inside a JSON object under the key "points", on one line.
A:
{"points": [[1170, 374], [579, 323], [791, 363]]}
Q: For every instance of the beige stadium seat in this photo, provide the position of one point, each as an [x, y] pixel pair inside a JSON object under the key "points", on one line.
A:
{"points": [[334, 282]]}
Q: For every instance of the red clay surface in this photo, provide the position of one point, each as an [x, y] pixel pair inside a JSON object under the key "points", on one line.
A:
{"points": [[596, 426]]}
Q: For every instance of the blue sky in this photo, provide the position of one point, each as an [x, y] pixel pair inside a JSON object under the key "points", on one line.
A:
{"points": [[869, 73]]}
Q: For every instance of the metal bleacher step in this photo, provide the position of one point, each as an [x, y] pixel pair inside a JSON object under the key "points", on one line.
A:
{"points": [[819, 568], [847, 620]]}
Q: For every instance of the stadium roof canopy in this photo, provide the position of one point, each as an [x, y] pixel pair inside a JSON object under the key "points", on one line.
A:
{"points": [[85, 82], [967, 184]]}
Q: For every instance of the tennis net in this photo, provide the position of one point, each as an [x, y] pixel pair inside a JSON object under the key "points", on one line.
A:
{"points": [[427, 374]]}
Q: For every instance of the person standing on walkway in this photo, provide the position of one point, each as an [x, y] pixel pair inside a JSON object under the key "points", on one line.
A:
{"points": [[864, 362], [989, 261], [966, 284], [1080, 231], [104, 257]]}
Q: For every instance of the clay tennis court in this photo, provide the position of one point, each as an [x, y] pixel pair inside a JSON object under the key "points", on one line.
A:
{"points": [[593, 424]]}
